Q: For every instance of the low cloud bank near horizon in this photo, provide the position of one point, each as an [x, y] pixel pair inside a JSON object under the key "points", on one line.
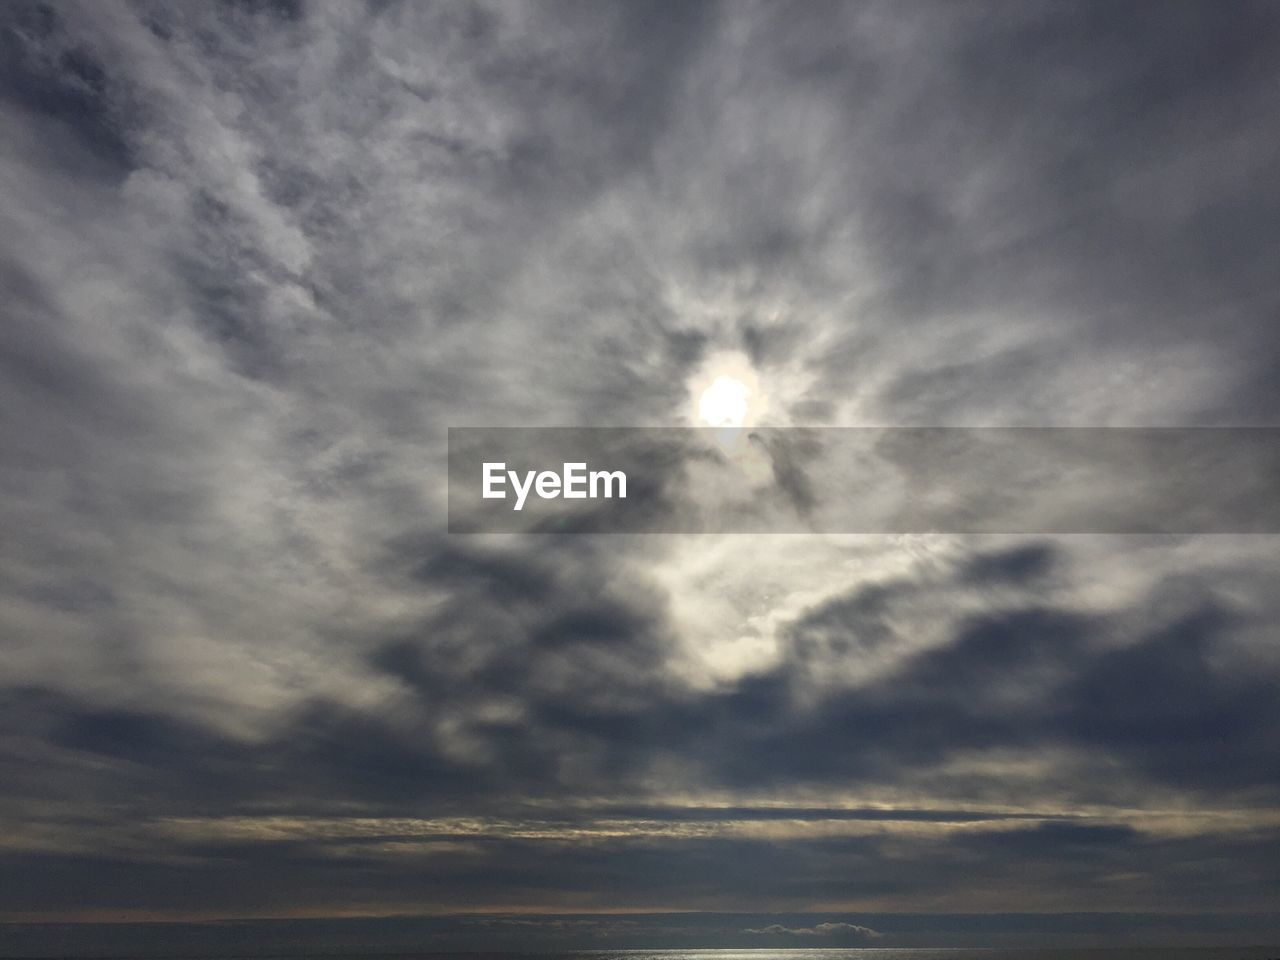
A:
{"points": [[827, 929]]}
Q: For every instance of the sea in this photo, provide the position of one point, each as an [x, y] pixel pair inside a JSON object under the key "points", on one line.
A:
{"points": [[845, 953]]}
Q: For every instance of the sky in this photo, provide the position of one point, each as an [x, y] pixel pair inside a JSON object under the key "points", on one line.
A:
{"points": [[257, 258]]}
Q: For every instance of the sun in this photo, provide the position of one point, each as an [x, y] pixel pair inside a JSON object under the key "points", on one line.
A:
{"points": [[724, 403], [726, 392]]}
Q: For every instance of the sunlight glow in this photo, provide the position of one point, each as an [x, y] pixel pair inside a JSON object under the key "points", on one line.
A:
{"points": [[725, 392], [724, 403]]}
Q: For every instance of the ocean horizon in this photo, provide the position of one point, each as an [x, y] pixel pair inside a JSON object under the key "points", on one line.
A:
{"points": [[754, 953]]}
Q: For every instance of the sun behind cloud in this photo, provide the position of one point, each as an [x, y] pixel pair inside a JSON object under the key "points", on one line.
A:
{"points": [[724, 403], [725, 392]]}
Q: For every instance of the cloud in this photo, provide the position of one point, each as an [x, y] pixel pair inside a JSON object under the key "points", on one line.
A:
{"points": [[256, 258], [843, 931]]}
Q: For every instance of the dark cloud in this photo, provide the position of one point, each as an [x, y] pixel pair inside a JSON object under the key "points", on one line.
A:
{"points": [[66, 91], [1018, 565], [787, 454], [1024, 677], [1166, 706]]}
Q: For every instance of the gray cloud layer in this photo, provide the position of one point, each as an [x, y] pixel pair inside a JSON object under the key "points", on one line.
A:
{"points": [[256, 258]]}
